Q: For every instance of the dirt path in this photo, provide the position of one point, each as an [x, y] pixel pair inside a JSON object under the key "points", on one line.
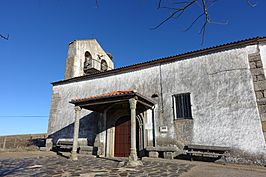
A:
{"points": [[202, 169]]}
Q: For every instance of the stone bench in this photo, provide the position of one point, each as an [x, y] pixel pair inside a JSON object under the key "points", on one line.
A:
{"points": [[209, 151], [66, 144], [168, 151]]}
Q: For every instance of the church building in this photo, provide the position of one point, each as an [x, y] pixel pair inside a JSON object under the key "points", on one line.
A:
{"points": [[212, 97]]}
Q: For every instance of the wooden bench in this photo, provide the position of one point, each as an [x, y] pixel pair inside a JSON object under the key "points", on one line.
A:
{"points": [[206, 151]]}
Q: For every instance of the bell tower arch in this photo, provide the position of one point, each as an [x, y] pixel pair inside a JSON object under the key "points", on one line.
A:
{"points": [[86, 57]]}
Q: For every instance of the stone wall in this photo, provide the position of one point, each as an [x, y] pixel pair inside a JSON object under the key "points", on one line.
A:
{"points": [[22, 142], [76, 57], [259, 81], [224, 106]]}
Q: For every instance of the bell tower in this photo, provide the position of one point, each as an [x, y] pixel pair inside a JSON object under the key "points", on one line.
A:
{"points": [[86, 57]]}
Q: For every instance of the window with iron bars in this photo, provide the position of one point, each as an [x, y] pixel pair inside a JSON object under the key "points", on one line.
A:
{"points": [[182, 106]]}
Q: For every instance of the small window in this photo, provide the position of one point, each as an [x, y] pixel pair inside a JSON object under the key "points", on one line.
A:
{"points": [[88, 55], [182, 106], [87, 62], [104, 65]]}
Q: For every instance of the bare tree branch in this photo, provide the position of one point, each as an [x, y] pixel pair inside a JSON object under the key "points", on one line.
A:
{"points": [[177, 11], [190, 26], [4, 37], [159, 4], [252, 4], [207, 20], [97, 3], [179, 7]]}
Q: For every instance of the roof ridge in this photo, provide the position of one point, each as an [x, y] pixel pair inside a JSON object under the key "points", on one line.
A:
{"points": [[180, 56]]}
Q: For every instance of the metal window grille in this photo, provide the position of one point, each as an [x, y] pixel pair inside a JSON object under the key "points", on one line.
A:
{"points": [[182, 106]]}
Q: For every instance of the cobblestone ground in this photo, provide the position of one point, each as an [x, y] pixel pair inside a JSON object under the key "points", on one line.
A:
{"points": [[85, 166]]}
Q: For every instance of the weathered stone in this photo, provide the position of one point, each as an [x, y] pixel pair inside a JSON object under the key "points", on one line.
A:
{"points": [[263, 115], [263, 123], [262, 108], [258, 64], [259, 94], [254, 57], [261, 101], [78, 51], [43, 149], [257, 71], [264, 93], [168, 155], [260, 77], [133, 163], [252, 65], [86, 150], [260, 85], [162, 148], [153, 154], [49, 144]]}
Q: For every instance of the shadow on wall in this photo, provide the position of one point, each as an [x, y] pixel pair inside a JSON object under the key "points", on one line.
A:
{"points": [[88, 129]]}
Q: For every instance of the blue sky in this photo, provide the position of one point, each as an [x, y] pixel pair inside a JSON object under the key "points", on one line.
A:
{"points": [[40, 30]]}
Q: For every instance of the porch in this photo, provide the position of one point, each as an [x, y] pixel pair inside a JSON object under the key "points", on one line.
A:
{"points": [[123, 114]]}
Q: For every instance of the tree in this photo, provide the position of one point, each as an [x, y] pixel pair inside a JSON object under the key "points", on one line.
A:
{"points": [[178, 7]]}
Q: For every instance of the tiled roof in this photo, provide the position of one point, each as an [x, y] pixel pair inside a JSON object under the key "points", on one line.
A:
{"points": [[104, 95], [205, 51]]}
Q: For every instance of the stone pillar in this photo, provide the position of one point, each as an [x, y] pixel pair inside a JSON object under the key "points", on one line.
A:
{"points": [[133, 158], [76, 134], [49, 144], [259, 82], [133, 150]]}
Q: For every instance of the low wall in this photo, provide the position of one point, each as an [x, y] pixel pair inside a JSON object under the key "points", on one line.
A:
{"points": [[25, 141]]}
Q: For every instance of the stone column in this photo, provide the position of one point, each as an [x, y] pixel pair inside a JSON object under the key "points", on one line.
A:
{"points": [[133, 150], [133, 158], [76, 134], [49, 144]]}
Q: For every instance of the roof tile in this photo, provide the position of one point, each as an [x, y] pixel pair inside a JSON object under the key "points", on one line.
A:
{"points": [[105, 95]]}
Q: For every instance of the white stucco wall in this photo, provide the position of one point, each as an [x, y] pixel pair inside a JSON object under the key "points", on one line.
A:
{"points": [[262, 48], [223, 100]]}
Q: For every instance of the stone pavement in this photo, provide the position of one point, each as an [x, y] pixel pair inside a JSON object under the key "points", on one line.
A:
{"points": [[49, 164], [86, 166]]}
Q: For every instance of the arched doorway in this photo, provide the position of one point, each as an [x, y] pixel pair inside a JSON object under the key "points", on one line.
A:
{"points": [[122, 137]]}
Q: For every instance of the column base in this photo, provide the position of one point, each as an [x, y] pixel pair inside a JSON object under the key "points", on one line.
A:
{"points": [[134, 163], [133, 155], [74, 155]]}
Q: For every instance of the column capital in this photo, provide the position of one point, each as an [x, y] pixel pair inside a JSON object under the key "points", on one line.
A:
{"points": [[77, 108], [133, 103]]}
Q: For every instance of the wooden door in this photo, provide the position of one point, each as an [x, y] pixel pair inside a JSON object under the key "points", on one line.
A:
{"points": [[122, 137]]}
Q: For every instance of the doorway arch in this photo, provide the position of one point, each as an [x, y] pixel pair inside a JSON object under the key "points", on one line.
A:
{"points": [[122, 137], [115, 116]]}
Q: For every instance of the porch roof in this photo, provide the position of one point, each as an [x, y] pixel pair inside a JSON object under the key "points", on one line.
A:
{"points": [[100, 102]]}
